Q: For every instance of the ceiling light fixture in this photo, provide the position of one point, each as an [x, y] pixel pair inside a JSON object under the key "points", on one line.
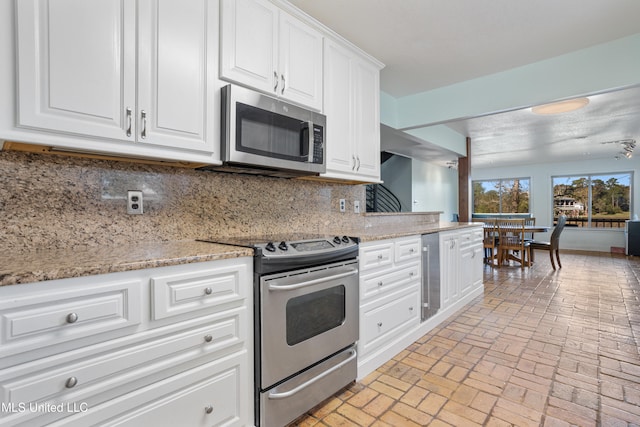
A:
{"points": [[561, 107]]}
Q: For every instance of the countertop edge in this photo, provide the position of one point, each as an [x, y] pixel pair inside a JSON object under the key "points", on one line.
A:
{"points": [[57, 264]]}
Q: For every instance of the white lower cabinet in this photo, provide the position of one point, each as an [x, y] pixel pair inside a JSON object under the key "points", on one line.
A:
{"points": [[390, 277], [391, 290], [460, 263], [192, 366]]}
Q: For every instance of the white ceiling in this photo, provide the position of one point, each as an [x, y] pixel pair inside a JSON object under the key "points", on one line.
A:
{"points": [[427, 44]]}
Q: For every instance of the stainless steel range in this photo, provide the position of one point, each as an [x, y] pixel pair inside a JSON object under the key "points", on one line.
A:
{"points": [[306, 322]]}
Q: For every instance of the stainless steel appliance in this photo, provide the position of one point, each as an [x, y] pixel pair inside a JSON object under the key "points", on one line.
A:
{"points": [[430, 275], [265, 135], [306, 322]]}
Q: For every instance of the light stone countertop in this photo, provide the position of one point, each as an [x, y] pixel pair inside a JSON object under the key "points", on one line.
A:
{"points": [[82, 261]]}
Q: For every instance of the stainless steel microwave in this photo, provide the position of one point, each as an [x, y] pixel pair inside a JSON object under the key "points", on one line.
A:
{"points": [[264, 135]]}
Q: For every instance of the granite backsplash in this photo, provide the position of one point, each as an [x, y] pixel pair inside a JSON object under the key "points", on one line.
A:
{"points": [[50, 201]]}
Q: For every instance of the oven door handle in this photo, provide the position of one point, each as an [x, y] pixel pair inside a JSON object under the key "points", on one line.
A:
{"points": [[313, 380], [311, 282]]}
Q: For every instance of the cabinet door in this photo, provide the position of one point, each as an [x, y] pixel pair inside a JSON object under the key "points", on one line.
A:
{"points": [[248, 43], [366, 120], [449, 260], [337, 108], [177, 67], [300, 62], [76, 66]]}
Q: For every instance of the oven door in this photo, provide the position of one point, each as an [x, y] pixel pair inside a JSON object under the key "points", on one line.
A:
{"points": [[306, 316]]}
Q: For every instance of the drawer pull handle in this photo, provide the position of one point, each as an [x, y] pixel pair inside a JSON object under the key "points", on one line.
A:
{"points": [[208, 291], [379, 324], [208, 338], [72, 318], [208, 409], [71, 382]]}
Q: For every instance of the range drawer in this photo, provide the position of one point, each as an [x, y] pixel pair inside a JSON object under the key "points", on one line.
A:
{"points": [[38, 316], [380, 284], [84, 379], [189, 292]]}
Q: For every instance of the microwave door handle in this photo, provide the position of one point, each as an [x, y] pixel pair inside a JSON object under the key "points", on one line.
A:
{"points": [[310, 148]]}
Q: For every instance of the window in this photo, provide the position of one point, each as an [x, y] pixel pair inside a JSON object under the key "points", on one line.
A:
{"points": [[501, 196], [598, 201]]}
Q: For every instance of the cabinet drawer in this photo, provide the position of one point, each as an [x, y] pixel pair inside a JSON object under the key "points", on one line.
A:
{"points": [[35, 317], [380, 322], [192, 291], [407, 249], [383, 283], [208, 395], [84, 379], [470, 237], [376, 256]]}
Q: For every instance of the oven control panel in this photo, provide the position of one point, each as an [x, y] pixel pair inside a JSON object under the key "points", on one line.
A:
{"points": [[306, 247]]}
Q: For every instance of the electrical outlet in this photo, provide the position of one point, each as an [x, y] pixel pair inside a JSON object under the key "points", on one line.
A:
{"points": [[356, 206], [343, 205], [134, 202]]}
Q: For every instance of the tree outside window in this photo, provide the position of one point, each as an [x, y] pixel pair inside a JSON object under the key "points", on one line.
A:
{"points": [[501, 196], [598, 201]]}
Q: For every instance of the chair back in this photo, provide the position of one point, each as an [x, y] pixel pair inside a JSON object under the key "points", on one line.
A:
{"points": [[511, 232], [490, 231], [529, 221], [555, 235]]}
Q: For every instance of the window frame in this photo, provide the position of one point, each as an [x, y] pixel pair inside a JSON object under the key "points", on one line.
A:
{"points": [[589, 204], [500, 181]]}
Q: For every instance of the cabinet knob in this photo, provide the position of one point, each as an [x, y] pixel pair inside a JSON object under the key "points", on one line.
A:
{"points": [[208, 291], [71, 382], [208, 338], [380, 256], [410, 308], [380, 283], [208, 409], [379, 324], [412, 250], [411, 273], [72, 318]]}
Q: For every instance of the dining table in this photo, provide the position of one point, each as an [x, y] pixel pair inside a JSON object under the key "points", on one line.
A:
{"points": [[528, 229]]}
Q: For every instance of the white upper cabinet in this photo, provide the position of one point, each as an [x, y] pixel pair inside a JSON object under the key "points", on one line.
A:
{"points": [[76, 65], [142, 72], [352, 107], [267, 49]]}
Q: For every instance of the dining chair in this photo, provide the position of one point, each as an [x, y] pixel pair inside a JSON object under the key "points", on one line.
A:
{"points": [[553, 244], [528, 236], [490, 240], [511, 239]]}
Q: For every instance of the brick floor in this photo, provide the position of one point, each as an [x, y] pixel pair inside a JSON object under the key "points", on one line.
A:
{"points": [[539, 348]]}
